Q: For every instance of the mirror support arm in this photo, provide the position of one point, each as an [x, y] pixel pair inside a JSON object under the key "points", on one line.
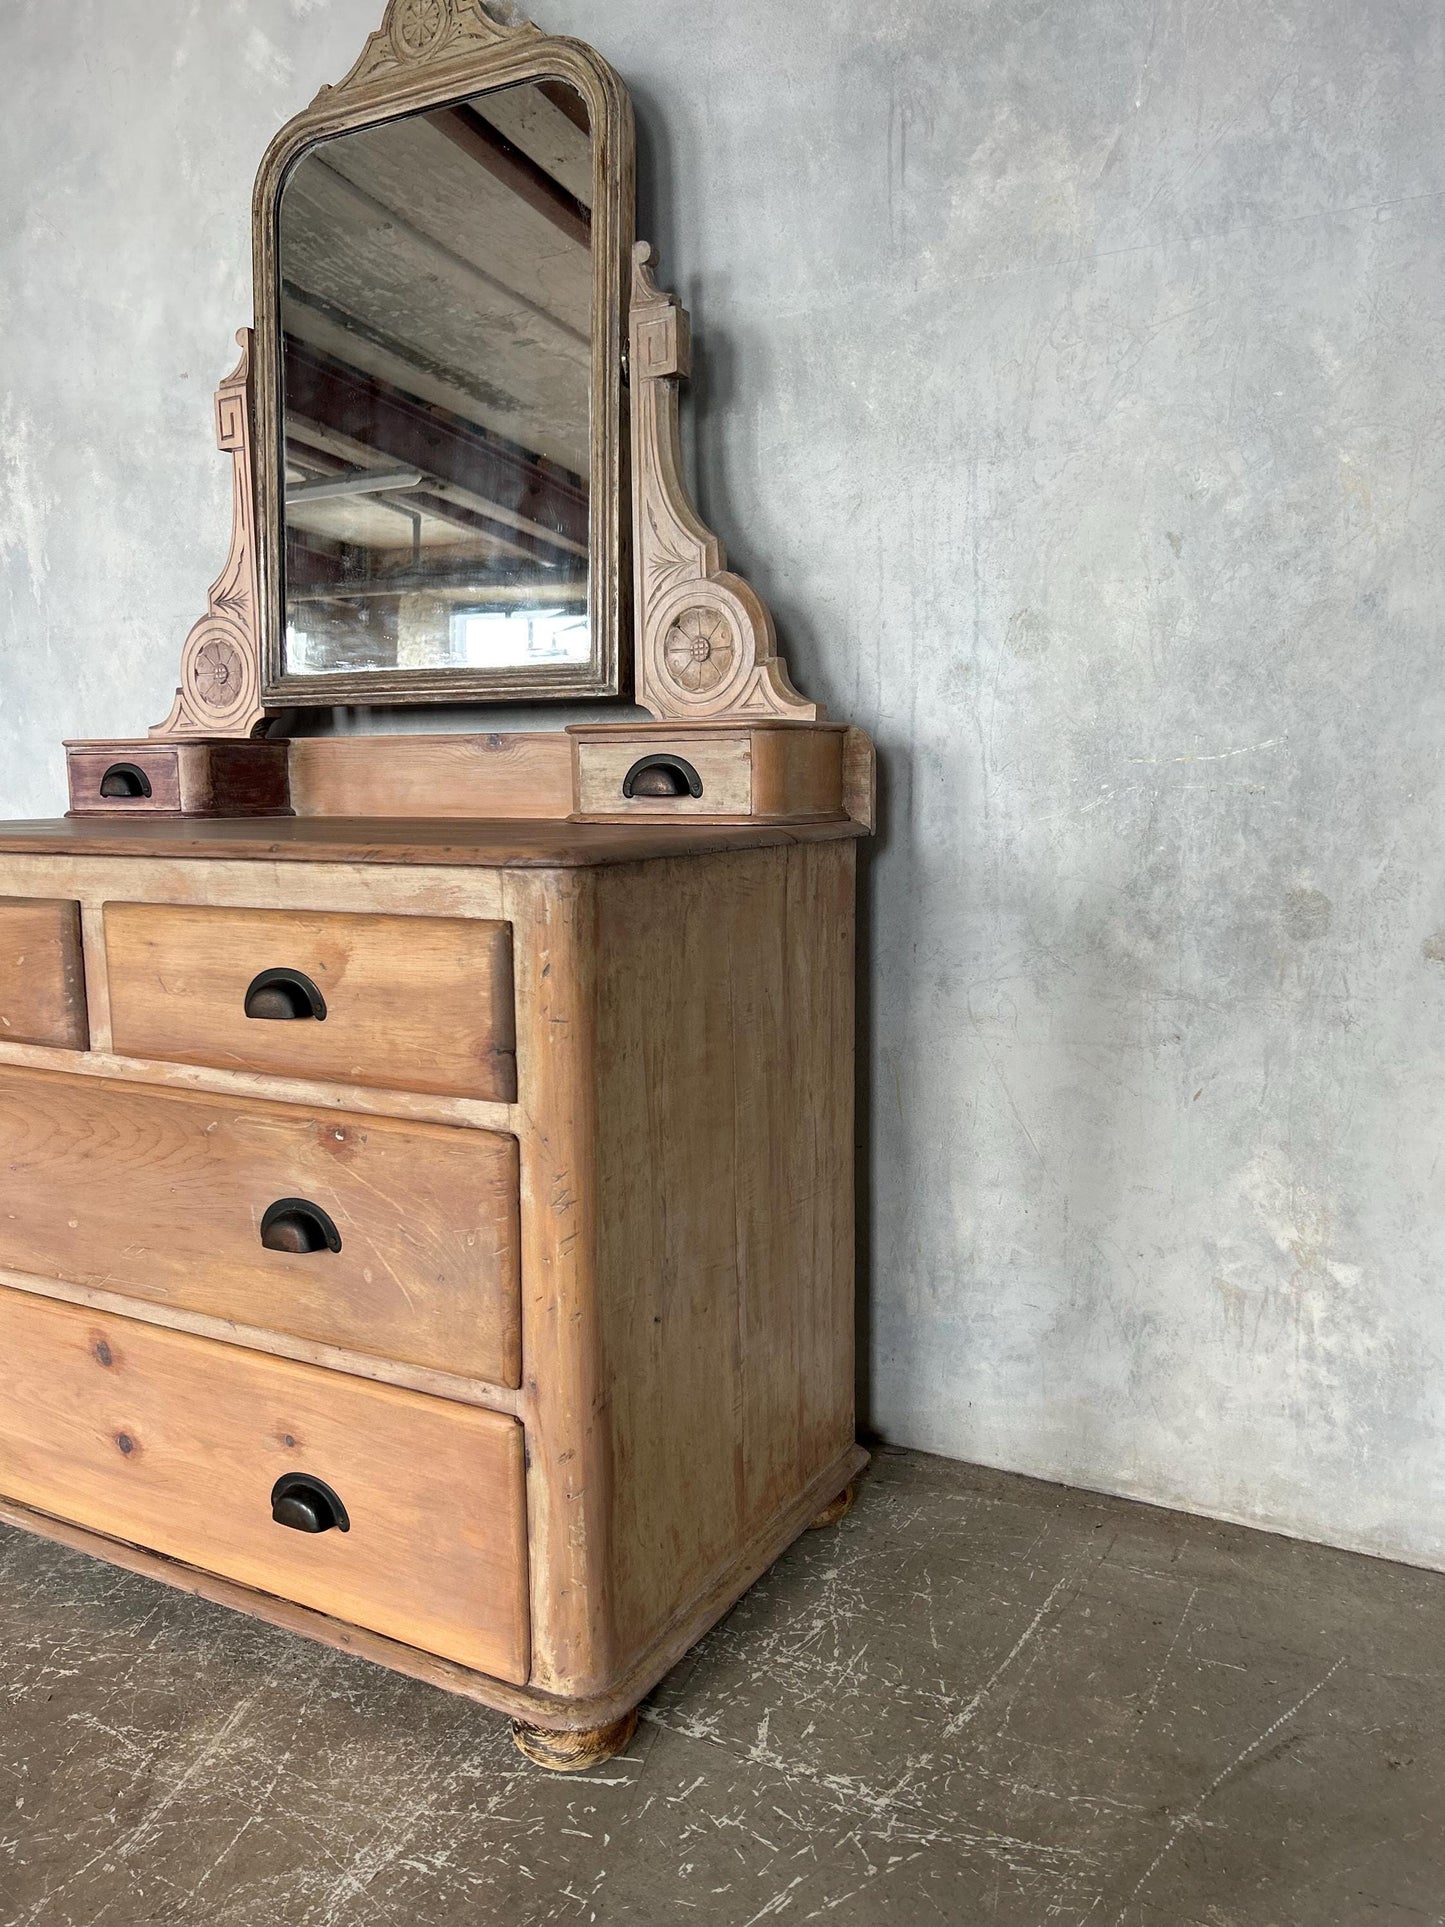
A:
{"points": [[706, 646], [220, 692]]}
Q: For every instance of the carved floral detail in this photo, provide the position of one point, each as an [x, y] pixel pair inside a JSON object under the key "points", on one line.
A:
{"points": [[218, 672], [419, 26], [415, 31], [699, 650]]}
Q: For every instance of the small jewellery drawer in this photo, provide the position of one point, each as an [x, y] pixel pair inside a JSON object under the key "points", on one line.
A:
{"points": [[389, 1510], [42, 981], [666, 777], [234, 1210], [149, 778], [403, 1003], [778, 772]]}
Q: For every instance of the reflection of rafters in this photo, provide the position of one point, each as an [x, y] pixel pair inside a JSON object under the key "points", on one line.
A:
{"points": [[433, 499], [491, 149], [339, 405], [374, 210]]}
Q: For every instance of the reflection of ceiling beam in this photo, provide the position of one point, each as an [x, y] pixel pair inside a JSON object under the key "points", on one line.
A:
{"points": [[401, 429], [516, 171], [319, 570], [316, 451], [339, 479], [377, 481], [567, 101], [373, 210]]}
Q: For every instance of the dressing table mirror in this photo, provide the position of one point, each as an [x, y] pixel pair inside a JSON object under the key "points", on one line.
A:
{"points": [[429, 1158]]}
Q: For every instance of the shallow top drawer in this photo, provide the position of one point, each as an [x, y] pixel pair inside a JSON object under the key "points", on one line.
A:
{"points": [[42, 983], [402, 1003]]}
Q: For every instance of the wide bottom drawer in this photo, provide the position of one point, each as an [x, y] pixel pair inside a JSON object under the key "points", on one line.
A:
{"points": [[177, 1443]]}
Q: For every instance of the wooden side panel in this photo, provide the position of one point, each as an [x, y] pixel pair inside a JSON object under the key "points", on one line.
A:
{"points": [[160, 1195], [412, 1004], [797, 772], [499, 776], [174, 1443], [725, 1194], [42, 977]]}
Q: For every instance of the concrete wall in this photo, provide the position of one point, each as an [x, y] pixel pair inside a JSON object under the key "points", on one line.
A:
{"points": [[1071, 377]]}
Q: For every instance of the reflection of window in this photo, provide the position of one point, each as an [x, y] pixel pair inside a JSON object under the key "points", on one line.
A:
{"points": [[516, 638]]}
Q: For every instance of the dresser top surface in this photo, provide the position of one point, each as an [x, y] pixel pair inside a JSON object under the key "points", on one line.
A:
{"points": [[496, 844]]}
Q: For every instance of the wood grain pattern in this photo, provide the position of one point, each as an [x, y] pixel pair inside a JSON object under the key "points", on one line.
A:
{"points": [[502, 777], [160, 1195], [687, 1159], [86, 766], [421, 1003], [42, 978], [241, 778], [724, 765], [568, 1477], [306, 1351], [424, 1107], [725, 1200], [480, 847], [174, 1444], [797, 770], [528, 1702]]}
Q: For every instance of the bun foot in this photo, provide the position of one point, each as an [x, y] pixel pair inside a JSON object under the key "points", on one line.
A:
{"points": [[833, 1512], [574, 1752]]}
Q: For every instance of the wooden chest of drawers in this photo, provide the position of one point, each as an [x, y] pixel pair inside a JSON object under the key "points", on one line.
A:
{"points": [[479, 1193]]}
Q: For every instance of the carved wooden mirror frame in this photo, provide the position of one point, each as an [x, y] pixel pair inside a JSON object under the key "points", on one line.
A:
{"points": [[701, 640], [427, 53]]}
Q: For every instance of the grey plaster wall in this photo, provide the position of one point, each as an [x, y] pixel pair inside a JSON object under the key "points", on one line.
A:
{"points": [[1071, 378]]}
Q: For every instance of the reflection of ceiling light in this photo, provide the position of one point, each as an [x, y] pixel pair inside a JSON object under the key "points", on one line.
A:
{"points": [[363, 481]]}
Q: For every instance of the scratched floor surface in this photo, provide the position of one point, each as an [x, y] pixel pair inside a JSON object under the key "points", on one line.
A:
{"points": [[979, 1699]]}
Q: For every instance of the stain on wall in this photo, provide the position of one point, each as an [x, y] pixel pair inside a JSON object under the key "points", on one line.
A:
{"points": [[1070, 381]]}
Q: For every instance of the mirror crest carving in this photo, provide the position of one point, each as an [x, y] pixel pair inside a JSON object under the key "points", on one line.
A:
{"points": [[414, 32]]}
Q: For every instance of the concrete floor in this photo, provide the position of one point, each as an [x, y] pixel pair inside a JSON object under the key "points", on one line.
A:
{"points": [[979, 1699]]}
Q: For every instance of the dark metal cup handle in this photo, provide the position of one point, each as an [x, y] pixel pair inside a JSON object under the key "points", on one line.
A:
{"points": [[123, 780], [662, 776], [307, 1505], [295, 1224], [286, 996]]}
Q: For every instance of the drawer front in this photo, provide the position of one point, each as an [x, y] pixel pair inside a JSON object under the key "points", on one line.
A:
{"points": [[163, 1195], [402, 1003], [124, 780], [42, 980], [177, 1444], [721, 766]]}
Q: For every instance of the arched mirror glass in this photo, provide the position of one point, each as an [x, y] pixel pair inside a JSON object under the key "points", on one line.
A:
{"points": [[443, 399]]}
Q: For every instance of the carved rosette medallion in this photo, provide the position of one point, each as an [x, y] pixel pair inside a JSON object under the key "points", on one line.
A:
{"points": [[418, 27], [218, 676], [415, 32], [699, 650]]}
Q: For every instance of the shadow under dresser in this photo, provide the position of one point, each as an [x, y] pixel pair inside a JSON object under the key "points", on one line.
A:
{"points": [[474, 1197]]}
